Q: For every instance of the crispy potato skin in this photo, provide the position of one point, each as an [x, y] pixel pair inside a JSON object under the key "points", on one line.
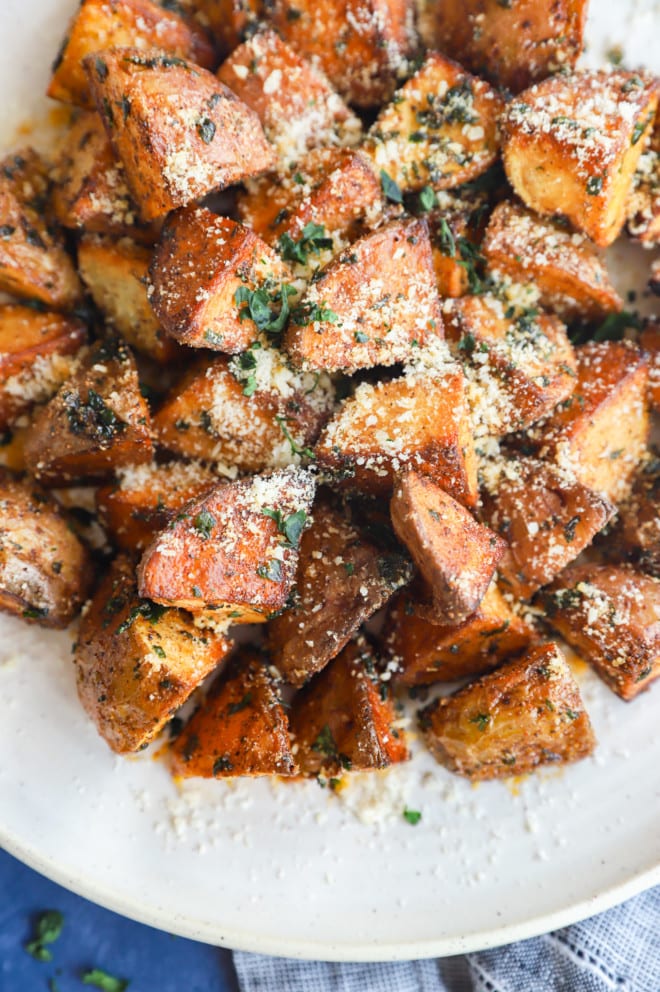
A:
{"points": [[427, 652], [137, 663], [639, 520], [96, 423], [554, 162], [178, 131], [36, 355], [525, 714], [45, 572], [609, 615], [200, 261], [100, 24], [343, 720], [341, 581], [456, 555], [241, 728]]}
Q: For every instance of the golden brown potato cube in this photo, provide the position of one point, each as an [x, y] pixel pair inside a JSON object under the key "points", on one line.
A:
{"points": [[146, 497], [97, 422], [643, 208], [270, 78], [137, 662], [600, 432], [439, 130], [100, 24], [342, 580], [178, 131], [529, 354], [419, 421], [527, 713], [570, 275], [204, 273], [89, 189], [546, 517], [33, 261], [234, 549], [512, 44], [343, 719], [241, 728], [251, 412], [426, 652], [609, 615], [116, 274], [230, 21], [572, 143], [45, 572], [37, 353], [639, 519], [456, 555], [649, 340], [361, 45], [367, 308]]}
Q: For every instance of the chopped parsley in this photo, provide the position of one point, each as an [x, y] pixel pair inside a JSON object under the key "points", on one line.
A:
{"points": [[295, 447], [325, 744], [570, 528], [91, 416], [271, 570], [241, 704], [47, 930], [104, 981], [147, 609], [311, 313], [204, 523], [291, 526], [594, 185], [313, 240], [481, 719], [412, 816], [427, 199], [261, 306], [206, 129], [391, 189]]}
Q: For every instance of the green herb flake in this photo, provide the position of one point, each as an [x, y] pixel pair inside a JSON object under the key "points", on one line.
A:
{"points": [[361, 337], [204, 523], [594, 185], [570, 528], [261, 306], [241, 704], [481, 719], [325, 743], [105, 982], [427, 199], [158, 651], [391, 189], [147, 610], [313, 240], [312, 313], [47, 930], [412, 816], [271, 570]]}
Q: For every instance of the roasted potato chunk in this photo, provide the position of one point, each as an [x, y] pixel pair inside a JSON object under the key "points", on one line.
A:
{"points": [[426, 652], [178, 131], [37, 353], [525, 714], [643, 208], [609, 614], [439, 130], [211, 276], [241, 728], [101, 24], [342, 580], [365, 309], [456, 227], [270, 78], [343, 719], [97, 422], [546, 517], [649, 340], [234, 549], [137, 662], [639, 519], [572, 142], [45, 572], [570, 275], [456, 555]]}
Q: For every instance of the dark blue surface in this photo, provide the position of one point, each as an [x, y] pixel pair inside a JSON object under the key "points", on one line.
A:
{"points": [[96, 938]]}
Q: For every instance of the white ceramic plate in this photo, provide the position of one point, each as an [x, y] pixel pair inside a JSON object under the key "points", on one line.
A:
{"points": [[289, 869]]}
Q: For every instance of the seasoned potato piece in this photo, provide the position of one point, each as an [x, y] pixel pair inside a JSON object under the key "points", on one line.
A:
{"points": [[282, 88], [45, 572], [545, 515], [97, 422], [251, 412], [37, 353], [572, 142], [456, 555], [343, 720], [456, 227], [116, 274], [440, 129], [512, 44], [527, 713], [137, 662], [609, 614], [342, 580], [361, 45], [419, 421], [367, 308], [33, 262], [178, 131], [570, 275], [427, 652], [231, 21], [643, 208], [600, 432], [639, 519], [530, 354], [102, 24], [649, 340], [235, 549], [146, 497], [209, 275], [241, 728]]}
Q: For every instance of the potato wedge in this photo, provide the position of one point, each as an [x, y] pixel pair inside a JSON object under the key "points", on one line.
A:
{"points": [[639, 519], [525, 714]]}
